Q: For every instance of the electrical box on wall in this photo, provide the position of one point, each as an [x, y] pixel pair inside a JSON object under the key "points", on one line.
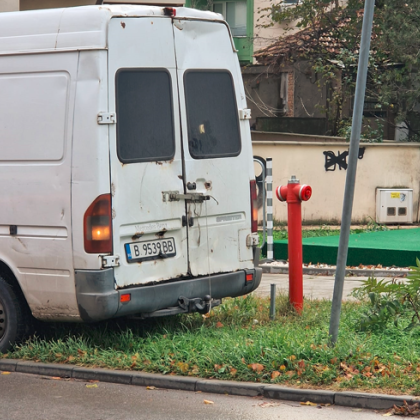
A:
{"points": [[394, 205]]}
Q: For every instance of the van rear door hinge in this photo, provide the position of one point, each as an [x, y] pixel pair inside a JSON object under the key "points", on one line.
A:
{"points": [[107, 118], [110, 261]]}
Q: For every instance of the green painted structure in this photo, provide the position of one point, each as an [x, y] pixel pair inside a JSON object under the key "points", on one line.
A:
{"points": [[244, 44], [398, 247]]}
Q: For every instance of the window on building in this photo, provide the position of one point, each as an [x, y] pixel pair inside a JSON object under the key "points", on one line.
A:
{"points": [[234, 13]]}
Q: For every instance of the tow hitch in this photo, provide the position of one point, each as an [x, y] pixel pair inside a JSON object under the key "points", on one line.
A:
{"points": [[185, 305]]}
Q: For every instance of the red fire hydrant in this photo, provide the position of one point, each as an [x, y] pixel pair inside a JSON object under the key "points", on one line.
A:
{"points": [[294, 193]]}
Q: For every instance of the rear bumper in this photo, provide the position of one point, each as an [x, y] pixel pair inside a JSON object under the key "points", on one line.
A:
{"points": [[98, 300]]}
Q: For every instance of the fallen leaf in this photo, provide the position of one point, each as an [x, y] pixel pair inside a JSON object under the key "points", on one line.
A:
{"points": [[5, 373], [151, 387], [91, 386], [233, 371], [183, 367], [57, 378], [309, 403], [256, 367], [301, 364], [208, 402], [275, 374], [219, 325], [388, 414]]}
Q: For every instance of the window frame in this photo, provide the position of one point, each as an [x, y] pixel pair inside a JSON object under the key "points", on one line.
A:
{"points": [[149, 70]]}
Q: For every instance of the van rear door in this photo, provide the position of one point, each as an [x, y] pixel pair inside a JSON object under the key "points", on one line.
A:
{"points": [[145, 152], [216, 145]]}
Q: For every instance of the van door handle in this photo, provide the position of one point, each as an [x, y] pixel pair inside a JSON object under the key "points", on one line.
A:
{"points": [[191, 186], [191, 197]]}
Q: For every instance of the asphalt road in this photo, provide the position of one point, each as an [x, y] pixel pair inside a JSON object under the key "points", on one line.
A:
{"points": [[32, 397]]}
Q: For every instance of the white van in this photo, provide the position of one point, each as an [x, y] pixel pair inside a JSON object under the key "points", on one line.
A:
{"points": [[127, 182]]}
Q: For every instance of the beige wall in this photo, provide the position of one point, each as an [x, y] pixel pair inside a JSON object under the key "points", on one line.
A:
{"points": [[384, 165], [9, 5], [264, 33]]}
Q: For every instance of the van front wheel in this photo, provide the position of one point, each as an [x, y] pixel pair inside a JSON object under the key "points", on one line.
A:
{"points": [[12, 319]]}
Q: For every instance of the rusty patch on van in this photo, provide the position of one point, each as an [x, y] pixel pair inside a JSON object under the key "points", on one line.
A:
{"points": [[123, 25], [137, 235], [161, 233], [207, 185], [159, 163]]}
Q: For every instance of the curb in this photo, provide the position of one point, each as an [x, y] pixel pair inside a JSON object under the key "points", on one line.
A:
{"points": [[187, 383], [357, 272]]}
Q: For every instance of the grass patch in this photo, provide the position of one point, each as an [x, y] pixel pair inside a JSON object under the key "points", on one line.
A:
{"points": [[237, 341]]}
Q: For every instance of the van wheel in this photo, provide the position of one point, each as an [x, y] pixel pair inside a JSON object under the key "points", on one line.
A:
{"points": [[12, 317]]}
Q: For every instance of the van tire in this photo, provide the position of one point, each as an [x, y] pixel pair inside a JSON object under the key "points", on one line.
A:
{"points": [[13, 317]]}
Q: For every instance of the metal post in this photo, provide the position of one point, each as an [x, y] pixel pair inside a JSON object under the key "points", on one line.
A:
{"points": [[356, 129], [269, 180], [272, 301], [263, 201]]}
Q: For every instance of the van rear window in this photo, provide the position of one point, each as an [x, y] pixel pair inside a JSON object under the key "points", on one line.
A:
{"points": [[212, 114], [145, 128]]}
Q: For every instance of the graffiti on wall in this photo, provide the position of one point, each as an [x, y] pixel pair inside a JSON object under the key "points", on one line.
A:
{"points": [[332, 160]]}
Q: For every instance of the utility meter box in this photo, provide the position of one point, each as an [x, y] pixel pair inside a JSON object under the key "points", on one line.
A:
{"points": [[394, 205]]}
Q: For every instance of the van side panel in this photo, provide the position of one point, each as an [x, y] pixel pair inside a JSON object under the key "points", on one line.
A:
{"points": [[90, 171], [36, 107]]}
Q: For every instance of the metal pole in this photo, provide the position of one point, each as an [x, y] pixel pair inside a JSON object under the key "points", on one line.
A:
{"points": [[272, 301], [269, 179], [356, 129], [263, 200]]}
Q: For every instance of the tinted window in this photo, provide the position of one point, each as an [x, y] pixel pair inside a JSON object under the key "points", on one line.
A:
{"points": [[144, 115], [212, 113]]}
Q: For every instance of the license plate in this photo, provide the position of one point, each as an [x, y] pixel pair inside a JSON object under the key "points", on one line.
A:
{"points": [[150, 250]]}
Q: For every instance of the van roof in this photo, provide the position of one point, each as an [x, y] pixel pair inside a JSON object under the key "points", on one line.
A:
{"points": [[73, 28]]}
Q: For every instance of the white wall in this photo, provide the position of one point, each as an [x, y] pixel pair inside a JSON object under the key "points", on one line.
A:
{"points": [[384, 165]]}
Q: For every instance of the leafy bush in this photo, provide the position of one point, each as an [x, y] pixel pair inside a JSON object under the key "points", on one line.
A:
{"points": [[396, 301]]}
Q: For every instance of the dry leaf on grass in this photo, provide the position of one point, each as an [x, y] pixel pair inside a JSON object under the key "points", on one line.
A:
{"points": [[256, 367]]}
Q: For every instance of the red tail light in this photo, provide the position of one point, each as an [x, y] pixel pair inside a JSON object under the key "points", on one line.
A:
{"points": [[97, 226], [254, 207], [169, 11]]}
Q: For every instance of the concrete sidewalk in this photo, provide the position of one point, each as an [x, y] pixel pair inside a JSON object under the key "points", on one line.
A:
{"points": [[314, 287]]}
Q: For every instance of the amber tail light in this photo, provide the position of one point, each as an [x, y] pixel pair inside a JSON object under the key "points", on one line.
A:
{"points": [[254, 206], [97, 224]]}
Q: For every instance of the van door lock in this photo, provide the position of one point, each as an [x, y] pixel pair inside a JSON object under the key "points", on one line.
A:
{"points": [[187, 220]]}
